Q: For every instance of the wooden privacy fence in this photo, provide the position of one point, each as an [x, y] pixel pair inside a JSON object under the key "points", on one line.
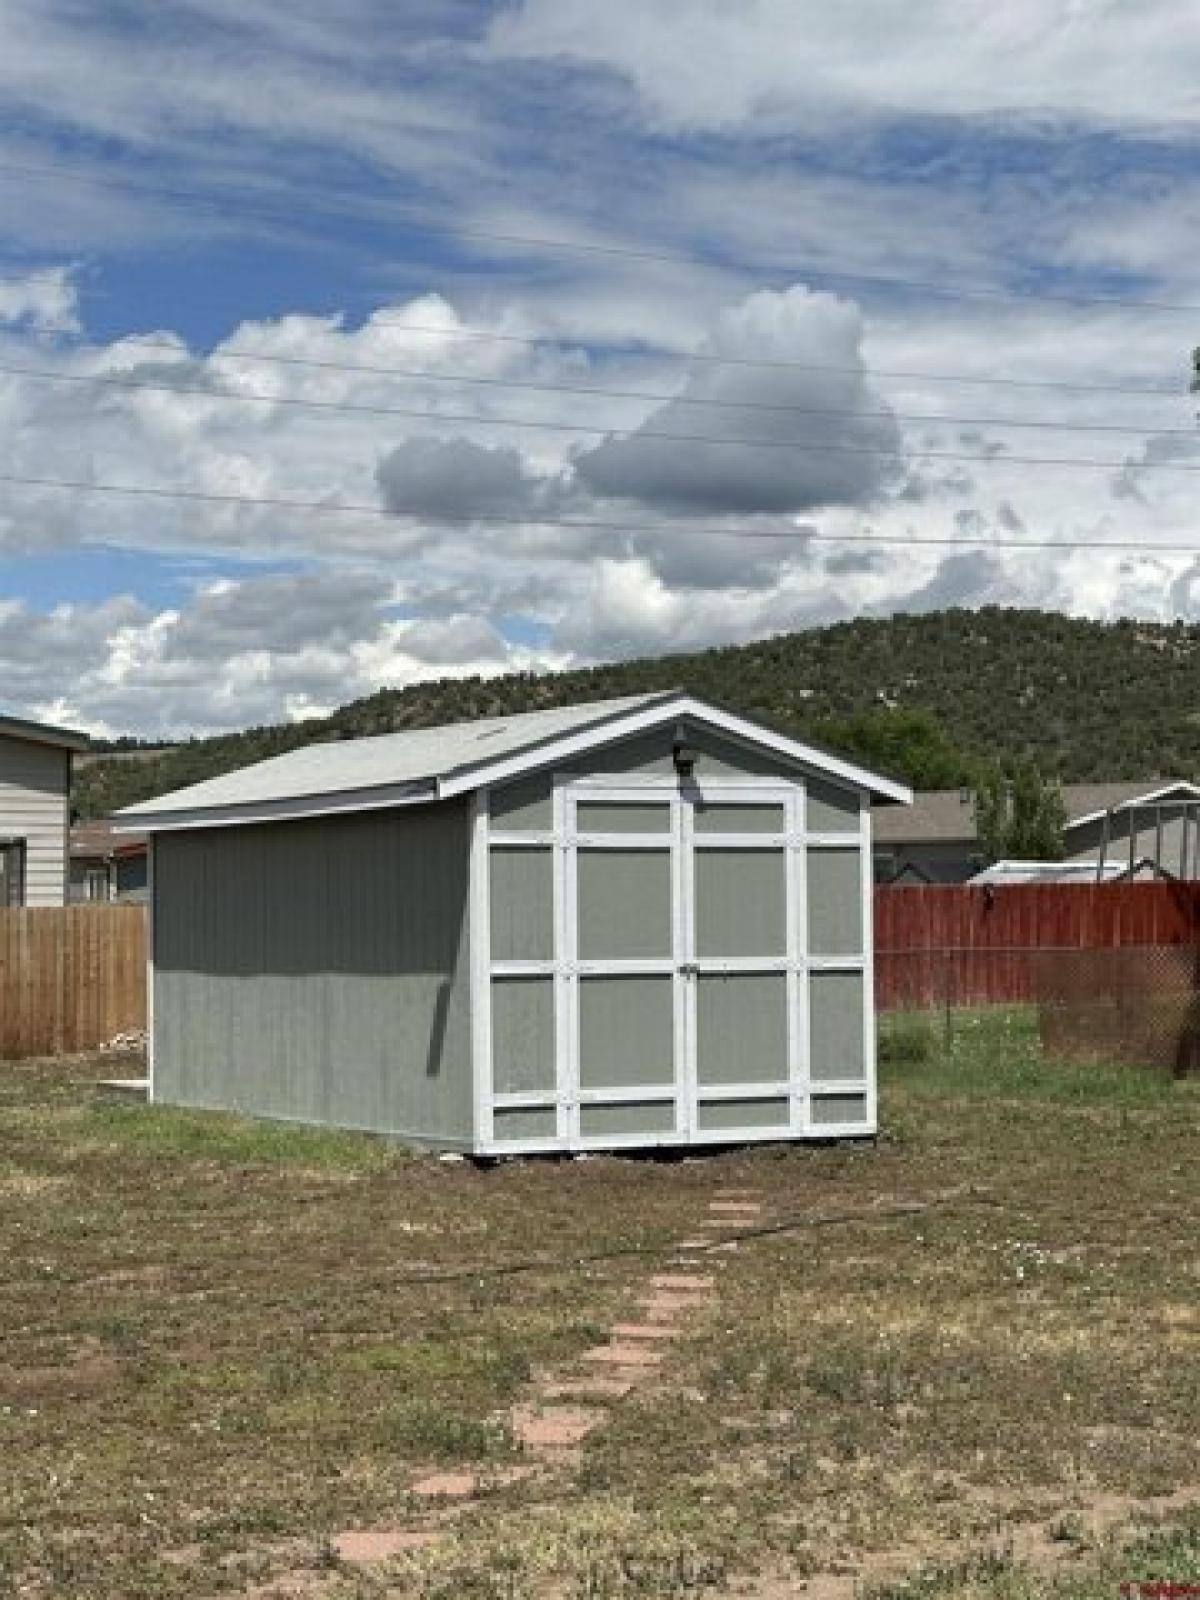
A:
{"points": [[71, 978], [957, 945]]}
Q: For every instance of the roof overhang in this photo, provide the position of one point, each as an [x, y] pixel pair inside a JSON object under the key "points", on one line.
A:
{"points": [[536, 757], [44, 733], [295, 809]]}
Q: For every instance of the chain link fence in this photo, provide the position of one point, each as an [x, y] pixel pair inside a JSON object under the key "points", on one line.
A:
{"points": [[1134, 1004]]}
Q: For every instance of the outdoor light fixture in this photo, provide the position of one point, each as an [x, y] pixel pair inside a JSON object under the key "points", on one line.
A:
{"points": [[684, 756]]}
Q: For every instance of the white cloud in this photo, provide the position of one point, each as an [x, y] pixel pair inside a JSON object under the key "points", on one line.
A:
{"points": [[709, 64], [382, 600], [815, 408], [45, 301], [236, 654]]}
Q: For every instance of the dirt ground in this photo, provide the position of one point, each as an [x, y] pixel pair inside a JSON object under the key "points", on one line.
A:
{"points": [[237, 1358]]}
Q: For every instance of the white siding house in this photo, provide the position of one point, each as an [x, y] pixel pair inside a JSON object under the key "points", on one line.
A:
{"points": [[35, 787]]}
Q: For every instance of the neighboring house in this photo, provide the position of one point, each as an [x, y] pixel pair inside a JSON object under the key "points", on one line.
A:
{"points": [[934, 840], [640, 922], [106, 866], [35, 784]]}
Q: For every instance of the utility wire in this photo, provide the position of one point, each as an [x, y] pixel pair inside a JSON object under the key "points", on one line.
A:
{"points": [[797, 1222], [794, 535], [445, 225], [657, 353], [121, 381]]}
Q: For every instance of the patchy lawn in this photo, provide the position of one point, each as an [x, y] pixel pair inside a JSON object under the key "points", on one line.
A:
{"points": [[960, 1362]]}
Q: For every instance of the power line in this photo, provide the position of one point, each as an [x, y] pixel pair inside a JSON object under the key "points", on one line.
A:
{"points": [[569, 525], [624, 252], [659, 435], [120, 381], [542, 341]]}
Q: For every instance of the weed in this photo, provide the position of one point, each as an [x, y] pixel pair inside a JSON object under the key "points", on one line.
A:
{"points": [[428, 1431]]}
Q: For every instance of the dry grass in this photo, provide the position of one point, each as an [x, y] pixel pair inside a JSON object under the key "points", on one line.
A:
{"points": [[223, 1342]]}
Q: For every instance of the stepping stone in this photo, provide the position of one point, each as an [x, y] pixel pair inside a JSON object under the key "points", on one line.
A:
{"points": [[685, 1281], [665, 1306], [446, 1486], [601, 1387], [623, 1355], [644, 1330], [364, 1545], [500, 1477], [558, 1428]]}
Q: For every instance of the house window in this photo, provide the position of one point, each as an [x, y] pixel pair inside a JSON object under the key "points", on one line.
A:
{"points": [[12, 872]]}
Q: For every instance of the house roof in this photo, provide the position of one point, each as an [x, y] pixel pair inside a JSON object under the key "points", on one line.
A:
{"points": [[947, 816], [436, 763], [1158, 794], [43, 733], [89, 839]]}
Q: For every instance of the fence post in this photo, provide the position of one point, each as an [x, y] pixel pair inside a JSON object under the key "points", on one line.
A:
{"points": [[947, 1016]]}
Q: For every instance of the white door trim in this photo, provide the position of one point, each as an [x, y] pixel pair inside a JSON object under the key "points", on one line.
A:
{"points": [[794, 1083]]}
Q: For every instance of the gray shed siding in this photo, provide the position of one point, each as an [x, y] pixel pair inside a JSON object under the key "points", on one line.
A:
{"points": [[33, 808], [319, 971]]}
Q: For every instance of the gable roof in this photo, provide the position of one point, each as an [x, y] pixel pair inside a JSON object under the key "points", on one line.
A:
{"points": [[947, 816], [43, 733], [396, 769]]}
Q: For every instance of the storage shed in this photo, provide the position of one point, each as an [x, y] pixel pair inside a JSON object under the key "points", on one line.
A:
{"points": [[631, 923]]}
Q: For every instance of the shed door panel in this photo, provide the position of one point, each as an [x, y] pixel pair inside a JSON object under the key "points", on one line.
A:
{"points": [[624, 904], [627, 1037], [741, 1028], [742, 956], [740, 908], [626, 1031]]}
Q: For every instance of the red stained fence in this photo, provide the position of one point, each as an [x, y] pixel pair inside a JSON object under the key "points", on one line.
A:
{"points": [[977, 946]]}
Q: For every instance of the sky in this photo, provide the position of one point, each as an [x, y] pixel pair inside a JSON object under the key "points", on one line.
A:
{"points": [[358, 345]]}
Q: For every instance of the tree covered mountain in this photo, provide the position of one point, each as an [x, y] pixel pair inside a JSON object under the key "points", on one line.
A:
{"points": [[931, 698]]}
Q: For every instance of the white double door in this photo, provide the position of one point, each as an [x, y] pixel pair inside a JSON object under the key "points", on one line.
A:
{"points": [[681, 961]]}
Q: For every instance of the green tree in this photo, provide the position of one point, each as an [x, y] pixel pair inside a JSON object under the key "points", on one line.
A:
{"points": [[1019, 815], [912, 745]]}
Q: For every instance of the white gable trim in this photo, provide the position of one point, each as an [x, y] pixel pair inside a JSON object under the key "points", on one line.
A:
{"points": [[1138, 801], [657, 715]]}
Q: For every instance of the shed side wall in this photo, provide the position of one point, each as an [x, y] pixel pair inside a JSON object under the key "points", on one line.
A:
{"points": [[33, 807], [319, 971]]}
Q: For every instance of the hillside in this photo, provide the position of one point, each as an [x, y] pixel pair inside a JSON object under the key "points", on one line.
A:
{"points": [[927, 697]]}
